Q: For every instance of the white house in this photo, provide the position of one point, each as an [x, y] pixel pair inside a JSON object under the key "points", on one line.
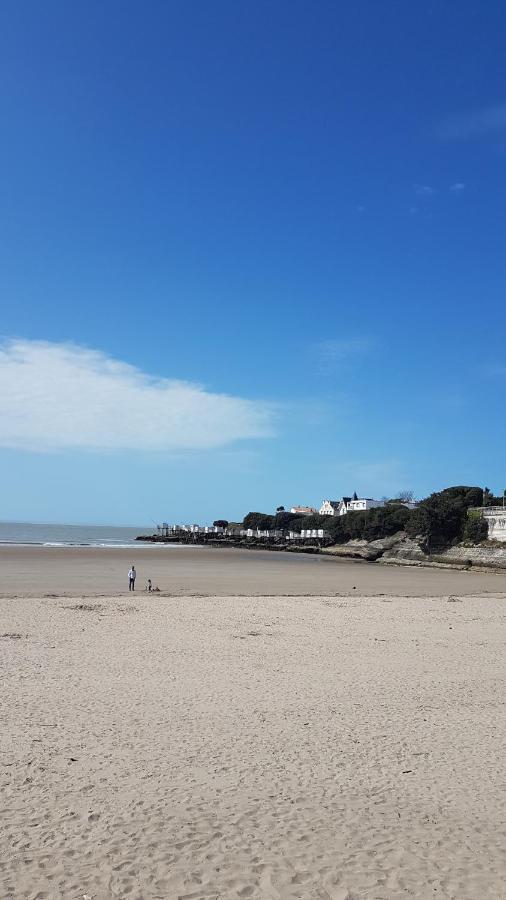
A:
{"points": [[351, 504], [334, 507], [303, 510], [329, 508], [363, 503]]}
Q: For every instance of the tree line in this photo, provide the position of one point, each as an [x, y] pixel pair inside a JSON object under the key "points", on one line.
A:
{"points": [[440, 520]]}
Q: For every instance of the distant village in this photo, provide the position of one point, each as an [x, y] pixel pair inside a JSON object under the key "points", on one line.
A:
{"points": [[328, 508]]}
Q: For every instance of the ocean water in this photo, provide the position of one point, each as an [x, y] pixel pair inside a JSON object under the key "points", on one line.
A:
{"points": [[71, 535]]}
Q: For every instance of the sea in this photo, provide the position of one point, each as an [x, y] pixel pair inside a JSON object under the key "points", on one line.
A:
{"points": [[28, 533]]}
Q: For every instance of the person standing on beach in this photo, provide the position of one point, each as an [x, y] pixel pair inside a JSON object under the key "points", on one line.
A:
{"points": [[131, 579]]}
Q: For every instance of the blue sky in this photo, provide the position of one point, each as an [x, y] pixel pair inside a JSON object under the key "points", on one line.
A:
{"points": [[251, 254]]}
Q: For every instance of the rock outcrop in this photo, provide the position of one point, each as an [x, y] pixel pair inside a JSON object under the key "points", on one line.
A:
{"points": [[369, 550], [398, 550], [403, 551], [409, 552]]}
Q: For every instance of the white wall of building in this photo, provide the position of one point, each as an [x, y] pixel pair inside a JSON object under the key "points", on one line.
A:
{"points": [[495, 517], [343, 506], [329, 508], [363, 503]]}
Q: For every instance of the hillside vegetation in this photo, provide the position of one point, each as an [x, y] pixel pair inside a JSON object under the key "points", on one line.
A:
{"points": [[440, 520]]}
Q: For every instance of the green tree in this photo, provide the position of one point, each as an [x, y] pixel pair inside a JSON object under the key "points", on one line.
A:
{"points": [[314, 521], [369, 525], [385, 521], [475, 530], [489, 499], [440, 519], [336, 529], [284, 520], [258, 520]]}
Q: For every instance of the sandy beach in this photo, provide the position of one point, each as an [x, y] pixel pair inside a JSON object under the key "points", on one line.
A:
{"points": [[206, 747], [91, 571]]}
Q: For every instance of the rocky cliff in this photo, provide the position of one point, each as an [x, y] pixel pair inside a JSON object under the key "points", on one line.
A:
{"points": [[369, 550], [403, 551]]}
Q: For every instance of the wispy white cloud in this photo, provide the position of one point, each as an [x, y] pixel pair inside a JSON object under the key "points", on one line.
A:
{"points": [[57, 396], [424, 190], [474, 124], [458, 187]]}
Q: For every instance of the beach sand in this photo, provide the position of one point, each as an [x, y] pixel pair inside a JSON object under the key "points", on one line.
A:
{"points": [[334, 747], [90, 571]]}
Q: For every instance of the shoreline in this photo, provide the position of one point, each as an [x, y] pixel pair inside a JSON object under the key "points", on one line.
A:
{"points": [[466, 559], [93, 571]]}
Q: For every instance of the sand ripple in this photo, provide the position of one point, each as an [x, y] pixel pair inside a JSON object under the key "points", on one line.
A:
{"points": [[269, 748]]}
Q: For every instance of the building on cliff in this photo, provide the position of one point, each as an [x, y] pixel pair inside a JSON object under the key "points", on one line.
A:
{"points": [[348, 504], [357, 504], [495, 517], [334, 507]]}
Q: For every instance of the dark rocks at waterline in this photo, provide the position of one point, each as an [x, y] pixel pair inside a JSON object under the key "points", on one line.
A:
{"points": [[397, 549], [243, 543]]}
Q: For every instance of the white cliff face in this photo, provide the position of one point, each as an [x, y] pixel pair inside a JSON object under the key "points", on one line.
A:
{"points": [[495, 517]]}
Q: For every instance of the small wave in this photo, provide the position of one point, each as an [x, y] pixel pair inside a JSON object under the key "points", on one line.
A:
{"points": [[65, 544], [103, 545]]}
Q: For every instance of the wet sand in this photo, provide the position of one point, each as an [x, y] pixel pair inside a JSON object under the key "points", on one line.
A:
{"points": [[89, 571], [273, 748]]}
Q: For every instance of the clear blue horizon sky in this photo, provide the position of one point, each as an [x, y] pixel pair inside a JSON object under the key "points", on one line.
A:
{"points": [[251, 254]]}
